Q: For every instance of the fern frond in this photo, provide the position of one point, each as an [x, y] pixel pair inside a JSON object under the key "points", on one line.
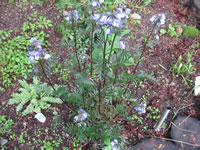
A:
{"points": [[16, 99], [28, 109], [51, 100]]}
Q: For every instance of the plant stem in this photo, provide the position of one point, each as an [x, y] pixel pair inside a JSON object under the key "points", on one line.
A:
{"points": [[104, 58], [91, 49], [113, 41], [99, 105], [143, 49], [53, 87], [76, 51]]}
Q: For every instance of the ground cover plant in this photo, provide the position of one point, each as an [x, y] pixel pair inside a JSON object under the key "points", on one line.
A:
{"points": [[98, 77]]}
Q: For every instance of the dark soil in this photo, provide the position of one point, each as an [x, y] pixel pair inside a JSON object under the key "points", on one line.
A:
{"points": [[157, 60]]}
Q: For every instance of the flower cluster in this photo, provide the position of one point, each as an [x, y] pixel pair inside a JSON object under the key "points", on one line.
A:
{"points": [[115, 19], [142, 108], [72, 17], [122, 45], [159, 19], [82, 115], [35, 50], [114, 145], [96, 3]]}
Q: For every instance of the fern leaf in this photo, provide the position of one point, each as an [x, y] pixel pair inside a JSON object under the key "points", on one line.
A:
{"points": [[16, 99], [28, 109], [20, 106], [51, 100]]}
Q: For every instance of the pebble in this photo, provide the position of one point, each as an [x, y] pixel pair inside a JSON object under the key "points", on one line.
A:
{"points": [[179, 30], [3, 142], [135, 16]]}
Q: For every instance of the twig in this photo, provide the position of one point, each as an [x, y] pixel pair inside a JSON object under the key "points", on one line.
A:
{"points": [[197, 145], [54, 88], [183, 129]]}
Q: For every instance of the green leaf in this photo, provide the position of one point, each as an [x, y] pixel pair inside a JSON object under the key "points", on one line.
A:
{"points": [[163, 31]]}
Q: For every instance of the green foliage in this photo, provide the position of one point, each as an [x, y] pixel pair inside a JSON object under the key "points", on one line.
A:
{"points": [[183, 69], [153, 113], [5, 124], [190, 31], [47, 145], [13, 58], [35, 26], [171, 30], [36, 95], [162, 31], [11, 1], [98, 83]]}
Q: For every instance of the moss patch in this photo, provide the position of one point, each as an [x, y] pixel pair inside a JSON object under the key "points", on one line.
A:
{"points": [[190, 31]]}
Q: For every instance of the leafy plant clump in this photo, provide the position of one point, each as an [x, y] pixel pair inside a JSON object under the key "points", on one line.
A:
{"points": [[183, 69], [14, 61], [36, 95], [5, 124], [190, 31], [100, 89]]}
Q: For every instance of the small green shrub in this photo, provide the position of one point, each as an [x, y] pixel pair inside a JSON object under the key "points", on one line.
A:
{"points": [[183, 69], [171, 30], [5, 124], [37, 95]]}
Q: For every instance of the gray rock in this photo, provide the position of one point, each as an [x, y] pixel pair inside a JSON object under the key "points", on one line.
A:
{"points": [[155, 144], [197, 4], [186, 129], [3, 142]]}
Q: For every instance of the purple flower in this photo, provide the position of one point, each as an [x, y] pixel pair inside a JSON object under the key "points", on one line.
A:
{"points": [[96, 3], [34, 55], [34, 41], [82, 115], [141, 108], [103, 20], [108, 30], [72, 16], [96, 17], [114, 145], [159, 19], [122, 12], [47, 56], [122, 45], [117, 23]]}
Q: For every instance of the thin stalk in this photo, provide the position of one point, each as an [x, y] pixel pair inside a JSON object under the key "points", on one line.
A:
{"points": [[53, 86], [104, 58], [83, 98], [113, 41], [76, 51], [91, 49], [99, 105], [116, 72], [143, 49]]}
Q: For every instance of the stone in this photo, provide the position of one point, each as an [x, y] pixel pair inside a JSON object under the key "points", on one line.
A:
{"points": [[3, 142], [135, 16], [179, 30], [196, 4], [186, 129], [155, 144]]}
